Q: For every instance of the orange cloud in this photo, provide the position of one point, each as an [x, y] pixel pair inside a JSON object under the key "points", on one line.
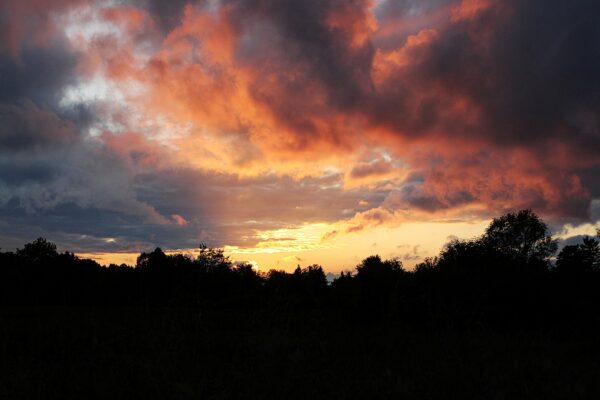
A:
{"points": [[259, 90], [468, 9], [413, 51], [179, 220]]}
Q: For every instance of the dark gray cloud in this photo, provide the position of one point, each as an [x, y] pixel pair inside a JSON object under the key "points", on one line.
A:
{"points": [[25, 127], [16, 172], [529, 66], [32, 83], [167, 14], [541, 66], [303, 59], [230, 209], [529, 70], [40, 73], [219, 209]]}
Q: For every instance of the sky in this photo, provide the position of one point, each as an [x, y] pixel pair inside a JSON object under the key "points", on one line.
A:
{"points": [[294, 132]]}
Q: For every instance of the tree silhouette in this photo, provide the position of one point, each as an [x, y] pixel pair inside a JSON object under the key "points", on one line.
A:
{"points": [[514, 240], [520, 236], [580, 258], [378, 283], [39, 249], [153, 261], [462, 256], [213, 259]]}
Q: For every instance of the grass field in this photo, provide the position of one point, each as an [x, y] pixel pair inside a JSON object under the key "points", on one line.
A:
{"points": [[175, 353]]}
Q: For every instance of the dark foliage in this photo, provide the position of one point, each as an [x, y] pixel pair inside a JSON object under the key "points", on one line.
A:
{"points": [[580, 258]]}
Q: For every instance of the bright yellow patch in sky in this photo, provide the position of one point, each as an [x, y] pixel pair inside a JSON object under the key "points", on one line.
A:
{"points": [[411, 242], [286, 248]]}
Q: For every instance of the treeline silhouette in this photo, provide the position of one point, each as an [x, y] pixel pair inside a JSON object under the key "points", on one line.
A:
{"points": [[506, 277], [501, 316]]}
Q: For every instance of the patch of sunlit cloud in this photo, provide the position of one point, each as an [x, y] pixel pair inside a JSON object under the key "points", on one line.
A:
{"points": [[100, 42], [84, 23], [570, 230], [285, 240], [292, 259]]}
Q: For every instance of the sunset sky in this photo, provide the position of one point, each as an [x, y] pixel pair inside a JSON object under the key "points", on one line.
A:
{"points": [[294, 131]]}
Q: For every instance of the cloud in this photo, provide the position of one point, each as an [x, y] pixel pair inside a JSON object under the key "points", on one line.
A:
{"points": [[411, 254], [292, 259], [371, 218], [329, 235], [26, 127], [450, 90], [377, 167], [30, 23], [222, 120], [179, 220]]}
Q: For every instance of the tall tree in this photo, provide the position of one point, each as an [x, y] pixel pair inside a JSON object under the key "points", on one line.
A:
{"points": [[520, 236]]}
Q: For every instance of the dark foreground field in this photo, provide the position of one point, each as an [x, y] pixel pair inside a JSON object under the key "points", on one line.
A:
{"points": [[175, 353]]}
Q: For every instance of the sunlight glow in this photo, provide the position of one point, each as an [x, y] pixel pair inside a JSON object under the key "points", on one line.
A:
{"points": [[304, 238]]}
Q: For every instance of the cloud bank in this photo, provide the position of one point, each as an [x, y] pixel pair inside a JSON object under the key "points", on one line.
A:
{"points": [[136, 123]]}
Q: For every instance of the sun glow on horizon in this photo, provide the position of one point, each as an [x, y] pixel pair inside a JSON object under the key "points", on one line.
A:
{"points": [[286, 240], [288, 247]]}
